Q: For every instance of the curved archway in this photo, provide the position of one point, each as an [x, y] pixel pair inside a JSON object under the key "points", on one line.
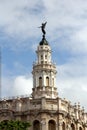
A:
{"points": [[6, 115], [36, 125], [47, 81], [51, 125], [80, 128], [63, 126], [40, 81], [72, 126]]}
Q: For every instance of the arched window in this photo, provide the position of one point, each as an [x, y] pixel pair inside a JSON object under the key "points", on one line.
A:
{"points": [[80, 128], [72, 126], [63, 126], [36, 125], [51, 125], [47, 81], [40, 81]]}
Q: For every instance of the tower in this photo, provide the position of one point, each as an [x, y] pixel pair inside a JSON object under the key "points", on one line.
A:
{"points": [[44, 72]]}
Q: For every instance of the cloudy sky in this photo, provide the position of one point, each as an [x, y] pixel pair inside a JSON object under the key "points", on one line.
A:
{"points": [[66, 33]]}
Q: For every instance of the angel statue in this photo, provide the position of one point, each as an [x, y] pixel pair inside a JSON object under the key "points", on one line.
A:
{"points": [[43, 28]]}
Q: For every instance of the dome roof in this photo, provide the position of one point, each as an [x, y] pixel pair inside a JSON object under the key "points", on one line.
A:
{"points": [[43, 41]]}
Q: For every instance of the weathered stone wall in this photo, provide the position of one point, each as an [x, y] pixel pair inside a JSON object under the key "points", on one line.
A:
{"points": [[61, 111]]}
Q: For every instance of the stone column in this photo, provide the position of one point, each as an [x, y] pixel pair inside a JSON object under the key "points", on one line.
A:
{"points": [[43, 125], [43, 103], [60, 126]]}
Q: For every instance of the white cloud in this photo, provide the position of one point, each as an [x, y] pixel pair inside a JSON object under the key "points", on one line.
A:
{"points": [[80, 39], [72, 81], [21, 18], [73, 89], [65, 22], [16, 19], [20, 85]]}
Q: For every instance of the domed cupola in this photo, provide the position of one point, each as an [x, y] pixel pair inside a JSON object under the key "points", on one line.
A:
{"points": [[43, 41]]}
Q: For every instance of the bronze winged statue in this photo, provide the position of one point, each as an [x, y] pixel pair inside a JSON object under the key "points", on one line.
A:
{"points": [[43, 28]]}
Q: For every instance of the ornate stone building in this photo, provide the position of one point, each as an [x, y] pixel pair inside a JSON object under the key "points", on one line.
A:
{"points": [[44, 108]]}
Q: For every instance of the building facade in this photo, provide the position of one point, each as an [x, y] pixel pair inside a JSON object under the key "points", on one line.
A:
{"points": [[44, 108]]}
